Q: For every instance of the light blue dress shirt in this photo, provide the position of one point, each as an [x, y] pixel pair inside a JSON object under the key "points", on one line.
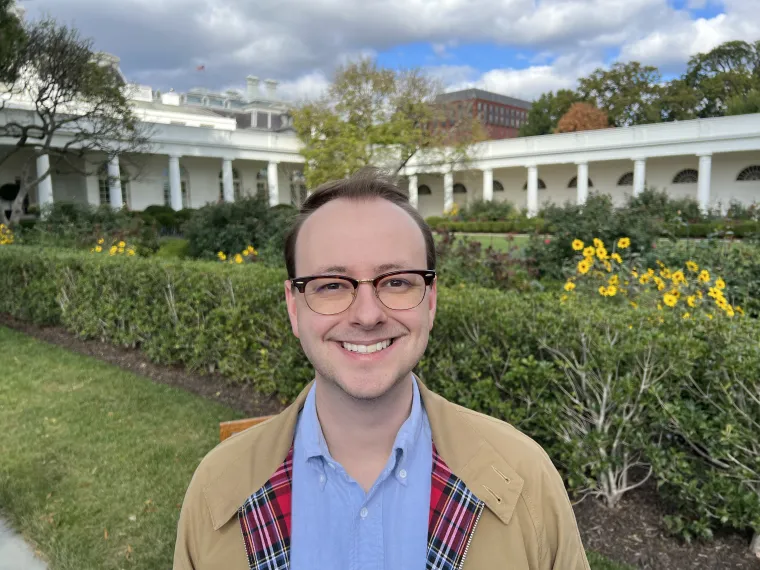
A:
{"points": [[336, 525]]}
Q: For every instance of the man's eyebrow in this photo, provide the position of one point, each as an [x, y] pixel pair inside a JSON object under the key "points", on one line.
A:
{"points": [[343, 270]]}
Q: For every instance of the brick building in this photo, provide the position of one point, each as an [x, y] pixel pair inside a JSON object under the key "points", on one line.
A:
{"points": [[501, 116]]}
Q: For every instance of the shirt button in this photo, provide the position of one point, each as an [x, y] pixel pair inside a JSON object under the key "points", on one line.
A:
{"points": [[364, 512], [402, 473], [321, 478]]}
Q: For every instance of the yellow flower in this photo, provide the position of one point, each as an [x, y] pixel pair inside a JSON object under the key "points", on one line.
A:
{"points": [[100, 241], [699, 294], [691, 266], [704, 276], [569, 286], [715, 293], [601, 253], [634, 304], [686, 316], [644, 279], [616, 257], [583, 266], [131, 251], [691, 300], [660, 263], [665, 273], [607, 265], [122, 244], [221, 256], [634, 274], [660, 283], [624, 242], [589, 252], [98, 248], [670, 300], [612, 290], [577, 245], [238, 258], [676, 293], [614, 280], [650, 272], [722, 303], [659, 306], [598, 243], [730, 311], [709, 316], [678, 277], [720, 284], [603, 291]]}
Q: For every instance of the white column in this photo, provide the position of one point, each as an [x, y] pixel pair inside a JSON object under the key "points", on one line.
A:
{"points": [[45, 186], [272, 180], [639, 175], [413, 187], [228, 189], [582, 182], [114, 184], [487, 185], [448, 191], [175, 183], [532, 191], [703, 183]]}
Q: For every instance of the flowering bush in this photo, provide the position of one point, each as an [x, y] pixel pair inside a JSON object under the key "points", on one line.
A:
{"points": [[686, 290], [119, 247], [6, 235], [249, 254]]}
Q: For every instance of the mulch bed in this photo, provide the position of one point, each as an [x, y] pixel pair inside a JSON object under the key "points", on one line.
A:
{"points": [[631, 533]]}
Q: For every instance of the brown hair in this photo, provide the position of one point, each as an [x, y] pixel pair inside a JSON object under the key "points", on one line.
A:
{"points": [[365, 184]]}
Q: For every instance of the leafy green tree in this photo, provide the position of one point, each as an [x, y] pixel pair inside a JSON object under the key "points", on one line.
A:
{"points": [[380, 117], [744, 104], [545, 113], [678, 101], [731, 70], [12, 38], [628, 92]]}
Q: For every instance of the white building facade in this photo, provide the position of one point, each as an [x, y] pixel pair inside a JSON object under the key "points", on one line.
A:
{"points": [[208, 148]]}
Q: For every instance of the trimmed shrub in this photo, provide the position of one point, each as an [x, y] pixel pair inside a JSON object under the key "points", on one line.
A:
{"points": [[173, 248]]}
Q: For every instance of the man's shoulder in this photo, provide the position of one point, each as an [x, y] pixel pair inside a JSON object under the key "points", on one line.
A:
{"points": [[525, 455]]}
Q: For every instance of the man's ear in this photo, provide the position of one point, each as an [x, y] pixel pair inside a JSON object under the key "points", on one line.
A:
{"points": [[432, 302], [290, 301]]}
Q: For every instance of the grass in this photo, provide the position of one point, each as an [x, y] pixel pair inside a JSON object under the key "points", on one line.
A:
{"points": [[498, 242], [96, 460]]}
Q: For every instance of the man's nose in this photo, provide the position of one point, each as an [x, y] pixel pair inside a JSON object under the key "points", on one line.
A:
{"points": [[367, 310]]}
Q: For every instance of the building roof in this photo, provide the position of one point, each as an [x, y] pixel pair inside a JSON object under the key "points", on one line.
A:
{"points": [[469, 94], [186, 109]]}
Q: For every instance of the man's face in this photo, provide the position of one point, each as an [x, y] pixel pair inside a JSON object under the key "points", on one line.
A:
{"points": [[361, 239]]}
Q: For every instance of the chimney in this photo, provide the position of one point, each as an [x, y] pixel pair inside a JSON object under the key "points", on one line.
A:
{"points": [[252, 83], [271, 89]]}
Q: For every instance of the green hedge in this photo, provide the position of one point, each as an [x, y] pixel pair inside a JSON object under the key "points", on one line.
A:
{"points": [[521, 357], [509, 226]]}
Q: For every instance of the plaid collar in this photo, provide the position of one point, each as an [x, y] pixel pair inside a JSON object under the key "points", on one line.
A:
{"points": [[265, 519]]}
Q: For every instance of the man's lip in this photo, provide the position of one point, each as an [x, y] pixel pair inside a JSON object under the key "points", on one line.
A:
{"points": [[367, 342]]}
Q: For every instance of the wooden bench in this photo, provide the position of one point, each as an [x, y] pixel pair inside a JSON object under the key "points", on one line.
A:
{"points": [[226, 429]]}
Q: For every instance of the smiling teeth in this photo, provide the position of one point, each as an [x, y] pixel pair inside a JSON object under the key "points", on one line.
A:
{"points": [[366, 349]]}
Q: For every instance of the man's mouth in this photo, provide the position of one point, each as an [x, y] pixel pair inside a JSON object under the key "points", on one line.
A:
{"points": [[367, 348]]}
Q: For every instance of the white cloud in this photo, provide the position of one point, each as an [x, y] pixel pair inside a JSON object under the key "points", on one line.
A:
{"points": [[307, 87]]}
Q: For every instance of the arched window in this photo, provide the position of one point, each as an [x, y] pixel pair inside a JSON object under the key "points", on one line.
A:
{"points": [[298, 192], [687, 176], [423, 190], [460, 189], [262, 181], [541, 185], [236, 184], [104, 186], [498, 186], [626, 179], [184, 180], [574, 183], [749, 173]]}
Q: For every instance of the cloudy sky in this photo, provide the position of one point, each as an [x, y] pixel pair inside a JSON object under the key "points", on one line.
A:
{"points": [[515, 47]]}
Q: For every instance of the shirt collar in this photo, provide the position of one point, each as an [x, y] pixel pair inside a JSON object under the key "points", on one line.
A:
{"points": [[312, 440]]}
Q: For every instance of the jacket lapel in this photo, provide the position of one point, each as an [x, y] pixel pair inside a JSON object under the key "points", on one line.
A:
{"points": [[265, 519]]}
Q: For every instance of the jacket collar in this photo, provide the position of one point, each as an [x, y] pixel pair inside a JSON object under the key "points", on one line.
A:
{"points": [[466, 452]]}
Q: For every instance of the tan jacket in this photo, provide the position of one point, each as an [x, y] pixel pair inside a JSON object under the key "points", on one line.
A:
{"points": [[527, 521]]}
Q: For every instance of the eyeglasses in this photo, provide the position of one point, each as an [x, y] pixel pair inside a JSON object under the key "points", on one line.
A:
{"points": [[333, 294]]}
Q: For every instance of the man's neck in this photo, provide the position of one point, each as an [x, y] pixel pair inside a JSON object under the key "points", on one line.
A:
{"points": [[360, 434]]}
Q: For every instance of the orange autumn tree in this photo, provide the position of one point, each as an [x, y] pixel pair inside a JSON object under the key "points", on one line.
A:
{"points": [[582, 117]]}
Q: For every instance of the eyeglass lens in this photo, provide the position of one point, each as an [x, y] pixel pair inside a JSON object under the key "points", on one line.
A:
{"points": [[331, 295]]}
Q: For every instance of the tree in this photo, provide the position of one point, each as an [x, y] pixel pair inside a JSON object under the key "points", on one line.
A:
{"points": [[730, 70], [65, 102], [628, 92], [744, 104], [582, 117], [11, 41], [381, 117], [544, 114]]}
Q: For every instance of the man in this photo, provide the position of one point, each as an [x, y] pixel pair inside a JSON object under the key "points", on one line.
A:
{"points": [[368, 469]]}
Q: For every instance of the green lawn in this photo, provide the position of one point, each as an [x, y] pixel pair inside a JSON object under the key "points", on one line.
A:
{"points": [[498, 242], [96, 460]]}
